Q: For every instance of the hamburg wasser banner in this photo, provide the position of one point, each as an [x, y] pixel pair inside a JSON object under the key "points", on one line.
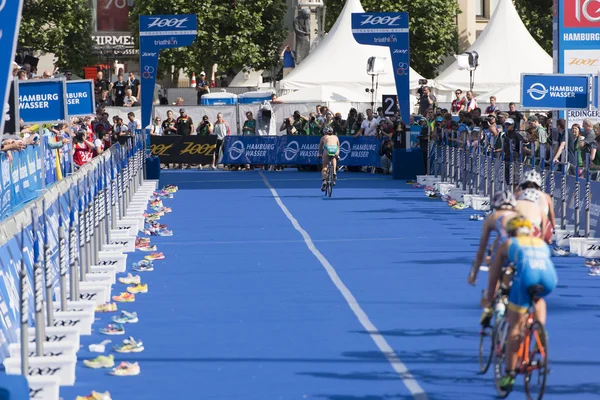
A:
{"points": [[160, 32], [10, 15], [389, 30], [298, 150]]}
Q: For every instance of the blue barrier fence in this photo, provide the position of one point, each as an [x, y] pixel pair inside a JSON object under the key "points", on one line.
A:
{"points": [[298, 150], [21, 178], [55, 207]]}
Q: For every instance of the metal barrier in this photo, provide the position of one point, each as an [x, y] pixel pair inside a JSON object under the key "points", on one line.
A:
{"points": [[479, 171], [72, 240]]}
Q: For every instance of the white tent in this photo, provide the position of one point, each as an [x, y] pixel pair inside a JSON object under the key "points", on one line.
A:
{"points": [[506, 50], [325, 93], [341, 61], [247, 78]]}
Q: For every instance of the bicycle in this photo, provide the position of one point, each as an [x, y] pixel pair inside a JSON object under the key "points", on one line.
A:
{"points": [[532, 354], [329, 181]]}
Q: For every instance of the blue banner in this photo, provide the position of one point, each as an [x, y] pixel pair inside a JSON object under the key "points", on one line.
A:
{"points": [[160, 32], [298, 150], [555, 91], [389, 30], [10, 15], [42, 100], [80, 98]]}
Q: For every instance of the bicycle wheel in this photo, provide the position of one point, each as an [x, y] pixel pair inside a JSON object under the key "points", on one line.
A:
{"points": [[500, 335], [536, 372], [486, 348], [329, 178]]}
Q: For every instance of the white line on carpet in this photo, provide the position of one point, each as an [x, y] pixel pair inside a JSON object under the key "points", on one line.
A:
{"points": [[409, 381]]}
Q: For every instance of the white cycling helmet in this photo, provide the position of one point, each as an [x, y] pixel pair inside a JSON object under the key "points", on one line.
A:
{"points": [[532, 176], [533, 195], [504, 199]]}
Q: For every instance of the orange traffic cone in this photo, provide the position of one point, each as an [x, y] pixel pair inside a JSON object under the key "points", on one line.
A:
{"points": [[193, 79]]}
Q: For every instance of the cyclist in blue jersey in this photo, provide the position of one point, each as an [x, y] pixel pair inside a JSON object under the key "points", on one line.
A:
{"points": [[531, 260], [329, 148]]}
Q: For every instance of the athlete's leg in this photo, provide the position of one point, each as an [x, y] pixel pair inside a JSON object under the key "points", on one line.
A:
{"points": [[335, 160], [540, 311], [325, 163], [516, 320]]}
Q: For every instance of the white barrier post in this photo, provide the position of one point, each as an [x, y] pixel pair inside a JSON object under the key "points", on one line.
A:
{"points": [[492, 173], [89, 225], [24, 306], [96, 217], [47, 268], [478, 172], [552, 183], [62, 261], [563, 196], [82, 224], [587, 196], [577, 195], [40, 332], [73, 245]]}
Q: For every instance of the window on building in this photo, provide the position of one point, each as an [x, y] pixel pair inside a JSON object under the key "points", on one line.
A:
{"points": [[480, 8]]}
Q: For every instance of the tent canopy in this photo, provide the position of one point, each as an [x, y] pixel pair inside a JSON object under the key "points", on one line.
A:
{"points": [[499, 67], [341, 61], [324, 93]]}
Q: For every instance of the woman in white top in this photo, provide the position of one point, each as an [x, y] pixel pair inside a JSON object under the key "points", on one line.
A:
{"points": [[156, 127], [221, 130]]}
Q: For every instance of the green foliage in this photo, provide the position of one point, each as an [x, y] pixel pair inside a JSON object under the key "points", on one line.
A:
{"points": [[62, 27], [231, 33], [537, 17], [433, 33]]}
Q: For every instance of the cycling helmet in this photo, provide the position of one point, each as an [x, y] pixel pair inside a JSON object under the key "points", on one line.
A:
{"points": [[327, 130], [519, 226], [532, 176], [504, 199], [533, 195]]}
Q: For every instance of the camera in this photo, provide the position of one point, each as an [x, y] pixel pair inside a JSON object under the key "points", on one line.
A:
{"points": [[422, 82]]}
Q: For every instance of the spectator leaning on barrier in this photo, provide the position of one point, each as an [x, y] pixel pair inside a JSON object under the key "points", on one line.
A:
{"points": [[83, 149], [156, 127], [169, 125], [542, 135], [133, 123], [249, 128], [560, 143], [205, 128]]}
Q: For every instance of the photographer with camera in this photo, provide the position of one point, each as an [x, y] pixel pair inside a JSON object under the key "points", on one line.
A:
{"points": [[314, 126], [338, 124], [205, 128], [287, 126], [426, 98]]}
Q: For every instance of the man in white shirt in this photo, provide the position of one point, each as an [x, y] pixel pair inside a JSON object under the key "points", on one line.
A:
{"points": [[368, 126], [133, 123]]}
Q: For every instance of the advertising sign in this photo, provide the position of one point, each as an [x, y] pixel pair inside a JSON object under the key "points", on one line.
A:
{"points": [[555, 91], [576, 39], [42, 100], [160, 32], [10, 15], [183, 149], [80, 98], [389, 30]]}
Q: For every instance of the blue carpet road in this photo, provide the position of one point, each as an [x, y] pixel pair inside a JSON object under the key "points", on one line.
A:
{"points": [[242, 308]]}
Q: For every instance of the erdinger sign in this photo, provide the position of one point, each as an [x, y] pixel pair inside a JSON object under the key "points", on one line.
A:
{"points": [[581, 13]]}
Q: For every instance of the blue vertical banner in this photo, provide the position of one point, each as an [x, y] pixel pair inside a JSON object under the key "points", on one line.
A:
{"points": [[389, 30], [160, 32], [10, 15]]}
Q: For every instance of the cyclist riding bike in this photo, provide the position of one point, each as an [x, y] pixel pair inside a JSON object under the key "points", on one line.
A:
{"points": [[503, 203], [533, 180], [530, 205], [532, 263], [329, 149]]}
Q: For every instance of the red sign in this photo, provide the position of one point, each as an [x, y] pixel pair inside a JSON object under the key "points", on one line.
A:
{"points": [[582, 13], [113, 15]]}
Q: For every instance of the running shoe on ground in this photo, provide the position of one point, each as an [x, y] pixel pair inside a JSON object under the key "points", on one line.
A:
{"points": [[558, 252], [108, 307], [459, 206], [411, 182], [113, 329], [100, 362], [506, 383], [148, 248], [142, 267], [429, 188], [129, 346], [594, 271], [451, 202], [126, 369], [124, 298], [435, 196], [126, 318], [446, 198], [95, 396], [164, 232], [170, 188], [592, 263], [155, 256], [139, 288], [417, 186], [476, 217]]}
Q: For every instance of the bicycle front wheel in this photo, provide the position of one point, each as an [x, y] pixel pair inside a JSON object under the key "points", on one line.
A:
{"points": [[486, 348], [536, 371]]}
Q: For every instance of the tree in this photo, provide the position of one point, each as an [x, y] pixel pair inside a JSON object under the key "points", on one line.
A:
{"points": [[433, 33], [62, 27], [232, 34], [537, 17]]}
